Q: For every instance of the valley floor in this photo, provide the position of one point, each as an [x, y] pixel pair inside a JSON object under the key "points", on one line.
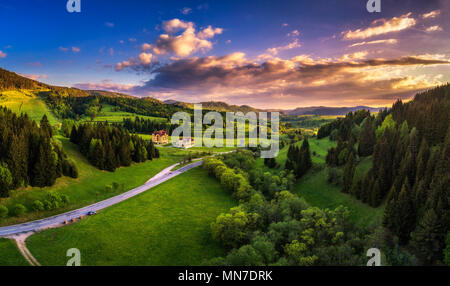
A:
{"points": [[168, 225]]}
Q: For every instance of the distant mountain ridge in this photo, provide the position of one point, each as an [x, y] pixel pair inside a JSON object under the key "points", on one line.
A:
{"points": [[10, 81], [325, 110]]}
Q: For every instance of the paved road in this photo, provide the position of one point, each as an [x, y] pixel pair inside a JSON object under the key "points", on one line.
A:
{"points": [[159, 178]]}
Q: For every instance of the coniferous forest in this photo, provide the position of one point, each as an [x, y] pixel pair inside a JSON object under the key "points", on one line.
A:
{"points": [[108, 147], [410, 148], [28, 154]]}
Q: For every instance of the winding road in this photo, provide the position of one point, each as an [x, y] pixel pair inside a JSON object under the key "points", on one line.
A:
{"points": [[60, 219]]}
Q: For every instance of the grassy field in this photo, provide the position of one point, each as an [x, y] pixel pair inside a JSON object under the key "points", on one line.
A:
{"points": [[318, 192], [90, 186], [108, 114], [309, 124], [168, 225], [9, 254], [26, 102]]}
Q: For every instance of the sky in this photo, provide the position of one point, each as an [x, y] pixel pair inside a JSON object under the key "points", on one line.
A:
{"points": [[267, 54]]}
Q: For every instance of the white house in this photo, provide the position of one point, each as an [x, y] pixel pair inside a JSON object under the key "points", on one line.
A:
{"points": [[185, 142]]}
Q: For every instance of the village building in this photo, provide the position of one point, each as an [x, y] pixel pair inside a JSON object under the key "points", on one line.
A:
{"points": [[185, 142], [160, 137]]}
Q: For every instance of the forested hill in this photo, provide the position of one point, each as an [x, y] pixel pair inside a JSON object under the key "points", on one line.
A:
{"points": [[216, 105], [324, 110], [410, 149], [11, 81], [429, 112]]}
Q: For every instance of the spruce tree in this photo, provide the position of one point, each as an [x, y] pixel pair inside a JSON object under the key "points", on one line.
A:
{"points": [[422, 160], [366, 138], [349, 172], [406, 217], [426, 239], [45, 126]]}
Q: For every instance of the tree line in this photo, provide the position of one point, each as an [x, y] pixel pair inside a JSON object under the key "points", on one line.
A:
{"points": [[29, 156], [146, 126], [299, 159], [108, 147]]}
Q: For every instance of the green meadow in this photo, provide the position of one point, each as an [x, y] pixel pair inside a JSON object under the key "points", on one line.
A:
{"points": [[109, 114], [9, 254], [89, 187], [25, 101], [167, 225], [316, 190]]}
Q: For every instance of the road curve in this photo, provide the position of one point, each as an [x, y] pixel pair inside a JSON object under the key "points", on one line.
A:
{"points": [[37, 225]]}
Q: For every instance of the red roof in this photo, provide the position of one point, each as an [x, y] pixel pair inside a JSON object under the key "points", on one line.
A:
{"points": [[160, 132]]}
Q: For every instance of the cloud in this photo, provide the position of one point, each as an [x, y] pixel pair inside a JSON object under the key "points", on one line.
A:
{"points": [[125, 64], [432, 14], [34, 64], [111, 51], [284, 24], [290, 46], [146, 47], [105, 85], [294, 33], [186, 43], [145, 58], [109, 24], [299, 81], [433, 29], [209, 32], [386, 41], [353, 57], [180, 40], [132, 40], [186, 11], [74, 49], [175, 25], [35, 76], [387, 26], [3, 55]]}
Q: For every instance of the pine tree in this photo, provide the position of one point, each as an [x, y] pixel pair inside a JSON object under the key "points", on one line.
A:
{"points": [[98, 155], [376, 194], [426, 239], [349, 172], [422, 160], [45, 127], [6, 180], [74, 135], [366, 138], [406, 217]]}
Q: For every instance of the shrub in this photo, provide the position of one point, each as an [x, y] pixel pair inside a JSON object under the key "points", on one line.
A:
{"points": [[3, 211], [115, 186], [37, 206], [48, 205], [19, 209], [69, 169], [54, 199], [64, 199], [108, 188]]}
